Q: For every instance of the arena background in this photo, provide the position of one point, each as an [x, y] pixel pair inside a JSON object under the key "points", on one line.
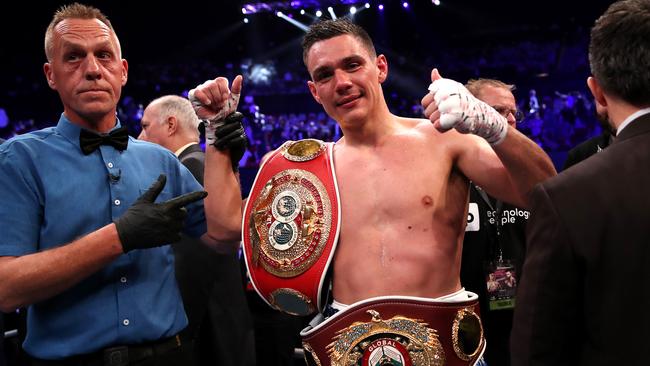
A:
{"points": [[172, 47]]}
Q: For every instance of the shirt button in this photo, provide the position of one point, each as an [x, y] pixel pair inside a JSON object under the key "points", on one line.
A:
{"points": [[110, 165], [125, 321], [117, 202], [123, 279]]}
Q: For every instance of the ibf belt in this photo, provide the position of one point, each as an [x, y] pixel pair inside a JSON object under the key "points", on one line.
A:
{"points": [[392, 330], [291, 226]]}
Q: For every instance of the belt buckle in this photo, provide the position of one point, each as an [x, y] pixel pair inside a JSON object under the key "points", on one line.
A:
{"points": [[116, 356]]}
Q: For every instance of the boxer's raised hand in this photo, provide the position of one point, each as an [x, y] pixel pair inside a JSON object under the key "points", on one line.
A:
{"points": [[450, 105], [214, 100]]}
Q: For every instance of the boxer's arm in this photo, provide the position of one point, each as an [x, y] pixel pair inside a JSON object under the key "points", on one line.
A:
{"points": [[213, 101], [503, 161], [508, 171]]}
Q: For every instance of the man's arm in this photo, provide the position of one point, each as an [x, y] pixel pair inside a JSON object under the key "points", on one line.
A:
{"points": [[547, 315], [214, 101], [223, 206], [35, 277], [146, 224], [504, 162]]}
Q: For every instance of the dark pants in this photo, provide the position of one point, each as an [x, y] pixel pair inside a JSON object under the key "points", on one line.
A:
{"points": [[164, 353]]}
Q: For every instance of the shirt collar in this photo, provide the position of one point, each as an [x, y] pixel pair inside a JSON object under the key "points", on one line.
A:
{"points": [[183, 148], [631, 118], [71, 131]]}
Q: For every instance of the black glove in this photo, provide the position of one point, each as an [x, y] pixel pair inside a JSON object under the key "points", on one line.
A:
{"points": [[231, 136], [147, 224]]}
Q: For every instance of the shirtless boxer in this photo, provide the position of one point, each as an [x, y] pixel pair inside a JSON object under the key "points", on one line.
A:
{"points": [[403, 182]]}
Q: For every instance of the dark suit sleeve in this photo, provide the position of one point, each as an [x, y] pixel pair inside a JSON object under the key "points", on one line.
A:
{"points": [[571, 159], [195, 166], [548, 300]]}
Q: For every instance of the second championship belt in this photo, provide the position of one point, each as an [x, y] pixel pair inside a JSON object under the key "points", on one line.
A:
{"points": [[291, 226]]}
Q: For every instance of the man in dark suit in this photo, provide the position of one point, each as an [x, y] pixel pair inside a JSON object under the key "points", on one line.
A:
{"points": [[595, 144], [583, 297], [211, 284]]}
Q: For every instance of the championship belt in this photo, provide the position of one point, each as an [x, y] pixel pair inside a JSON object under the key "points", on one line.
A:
{"points": [[291, 226], [396, 330]]}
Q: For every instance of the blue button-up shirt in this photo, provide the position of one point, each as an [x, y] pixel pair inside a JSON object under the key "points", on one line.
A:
{"points": [[50, 195]]}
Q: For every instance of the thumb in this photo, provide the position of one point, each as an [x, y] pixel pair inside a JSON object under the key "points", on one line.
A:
{"points": [[152, 193], [435, 75], [236, 85]]}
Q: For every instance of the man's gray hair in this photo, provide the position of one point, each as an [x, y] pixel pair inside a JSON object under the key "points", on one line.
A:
{"points": [[181, 108]]}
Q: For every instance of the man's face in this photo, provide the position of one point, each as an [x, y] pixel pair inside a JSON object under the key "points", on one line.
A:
{"points": [[502, 100], [154, 128], [86, 70], [346, 78]]}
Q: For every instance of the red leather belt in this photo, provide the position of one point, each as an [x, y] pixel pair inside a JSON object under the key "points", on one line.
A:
{"points": [[291, 226], [398, 330]]}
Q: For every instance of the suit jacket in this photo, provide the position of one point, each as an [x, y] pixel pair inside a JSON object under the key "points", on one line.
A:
{"points": [[585, 289], [587, 148], [213, 294]]}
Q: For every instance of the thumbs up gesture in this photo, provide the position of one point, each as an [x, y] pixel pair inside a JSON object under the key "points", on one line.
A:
{"points": [[450, 105]]}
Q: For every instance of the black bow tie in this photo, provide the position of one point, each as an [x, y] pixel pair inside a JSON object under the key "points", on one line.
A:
{"points": [[90, 141]]}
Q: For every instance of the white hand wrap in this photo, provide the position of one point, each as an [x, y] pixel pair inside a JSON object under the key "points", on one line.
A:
{"points": [[459, 109], [211, 119]]}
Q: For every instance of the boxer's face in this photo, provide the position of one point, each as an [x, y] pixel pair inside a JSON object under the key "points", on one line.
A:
{"points": [[85, 68], [346, 78]]}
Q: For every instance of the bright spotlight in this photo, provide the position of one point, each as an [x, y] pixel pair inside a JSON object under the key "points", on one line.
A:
{"points": [[331, 11], [246, 20], [319, 13], [381, 7], [353, 10], [367, 6], [302, 11], [405, 5], [243, 10], [435, 2], [279, 13]]}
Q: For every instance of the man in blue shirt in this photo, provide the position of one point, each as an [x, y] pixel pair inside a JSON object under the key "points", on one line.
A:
{"points": [[84, 230]]}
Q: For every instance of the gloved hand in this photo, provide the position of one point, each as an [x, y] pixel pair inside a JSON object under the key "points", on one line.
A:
{"points": [[147, 224], [450, 105], [230, 136]]}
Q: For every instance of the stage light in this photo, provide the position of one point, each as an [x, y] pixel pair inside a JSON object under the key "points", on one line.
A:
{"points": [[319, 13], [405, 5], [243, 10], [353, 10], [367, 5], [331, 11], [246, 20], [302, 11], [435, 2], [380, 7], [279, 13]]}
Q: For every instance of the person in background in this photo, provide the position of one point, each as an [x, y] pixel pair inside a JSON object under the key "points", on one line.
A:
{"points": [[211, 284], [582, 298], [495, 241]]}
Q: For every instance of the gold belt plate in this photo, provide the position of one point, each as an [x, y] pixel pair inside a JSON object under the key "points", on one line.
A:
{"points": [[396, 341], [291, 223]]}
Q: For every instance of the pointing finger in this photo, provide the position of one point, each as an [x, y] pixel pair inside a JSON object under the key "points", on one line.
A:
{"points": [[155, 189], [185, 199]]}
